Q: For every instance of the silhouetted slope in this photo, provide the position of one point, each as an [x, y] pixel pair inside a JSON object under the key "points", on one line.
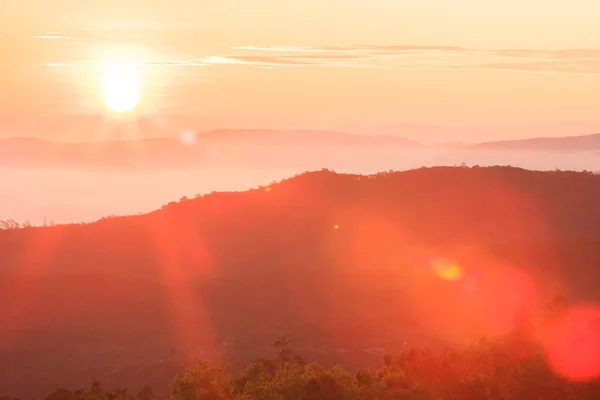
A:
{"points": [[334, 261]]}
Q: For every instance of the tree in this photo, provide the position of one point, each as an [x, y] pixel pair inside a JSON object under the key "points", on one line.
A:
{"points": [[207, 381], [9, 224], [256, 382], [285, 355]]}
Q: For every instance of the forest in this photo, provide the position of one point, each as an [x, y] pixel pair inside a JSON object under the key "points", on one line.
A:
{"points": [[513, 366], [351, 267]]}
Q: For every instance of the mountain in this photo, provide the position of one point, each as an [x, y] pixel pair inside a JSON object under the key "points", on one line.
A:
{"points": [[342, 264], [558, 144], [227, 148], [571, 152], [297, 150], [299, 137]]}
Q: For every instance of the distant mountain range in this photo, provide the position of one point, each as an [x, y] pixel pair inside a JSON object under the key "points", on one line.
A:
{"points": [[298, 149], [226, 148], [559, 144], [569, 152]]}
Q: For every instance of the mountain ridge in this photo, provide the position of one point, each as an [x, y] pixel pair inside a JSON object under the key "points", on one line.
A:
{"points": [[564, 143], [296, 148]]}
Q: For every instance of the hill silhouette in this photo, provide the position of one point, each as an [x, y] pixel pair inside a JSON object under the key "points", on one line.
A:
{"points": [[346, 265]]}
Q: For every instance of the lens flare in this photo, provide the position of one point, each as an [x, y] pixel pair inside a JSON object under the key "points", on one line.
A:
{"points": [[449, 271]]}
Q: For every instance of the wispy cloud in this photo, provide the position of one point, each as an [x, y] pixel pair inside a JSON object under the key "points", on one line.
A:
{"points": [[55, 65], [319, 60], [55, 36], [298, 49], [582, 67], [175, 63], [422, 56], [378, 56]]}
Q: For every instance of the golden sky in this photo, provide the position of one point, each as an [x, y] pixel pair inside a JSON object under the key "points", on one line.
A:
{"points": [[457, 70]]}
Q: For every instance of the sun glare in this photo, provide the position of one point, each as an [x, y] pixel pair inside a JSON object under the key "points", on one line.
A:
{"points": [[121, 86]]}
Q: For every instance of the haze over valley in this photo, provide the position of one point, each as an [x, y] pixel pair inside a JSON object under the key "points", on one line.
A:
{"points": [[69, 182]]}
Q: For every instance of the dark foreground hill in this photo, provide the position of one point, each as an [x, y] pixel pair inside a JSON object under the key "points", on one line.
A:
{"points": [[345, 265]]}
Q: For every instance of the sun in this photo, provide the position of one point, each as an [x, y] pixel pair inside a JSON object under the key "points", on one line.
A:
{"points": [[121, 86]]}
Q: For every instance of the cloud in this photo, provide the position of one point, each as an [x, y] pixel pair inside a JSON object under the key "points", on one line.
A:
{"points": [[55, 65], [298, 49], [50, 37], [405, 48], [270, 61], [570, 54], [421, 56], [189, 63], [55, 36], [413, 56], [582, 67]]}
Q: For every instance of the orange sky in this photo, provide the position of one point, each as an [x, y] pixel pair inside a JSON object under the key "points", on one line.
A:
{"points": [[458, 70]]}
